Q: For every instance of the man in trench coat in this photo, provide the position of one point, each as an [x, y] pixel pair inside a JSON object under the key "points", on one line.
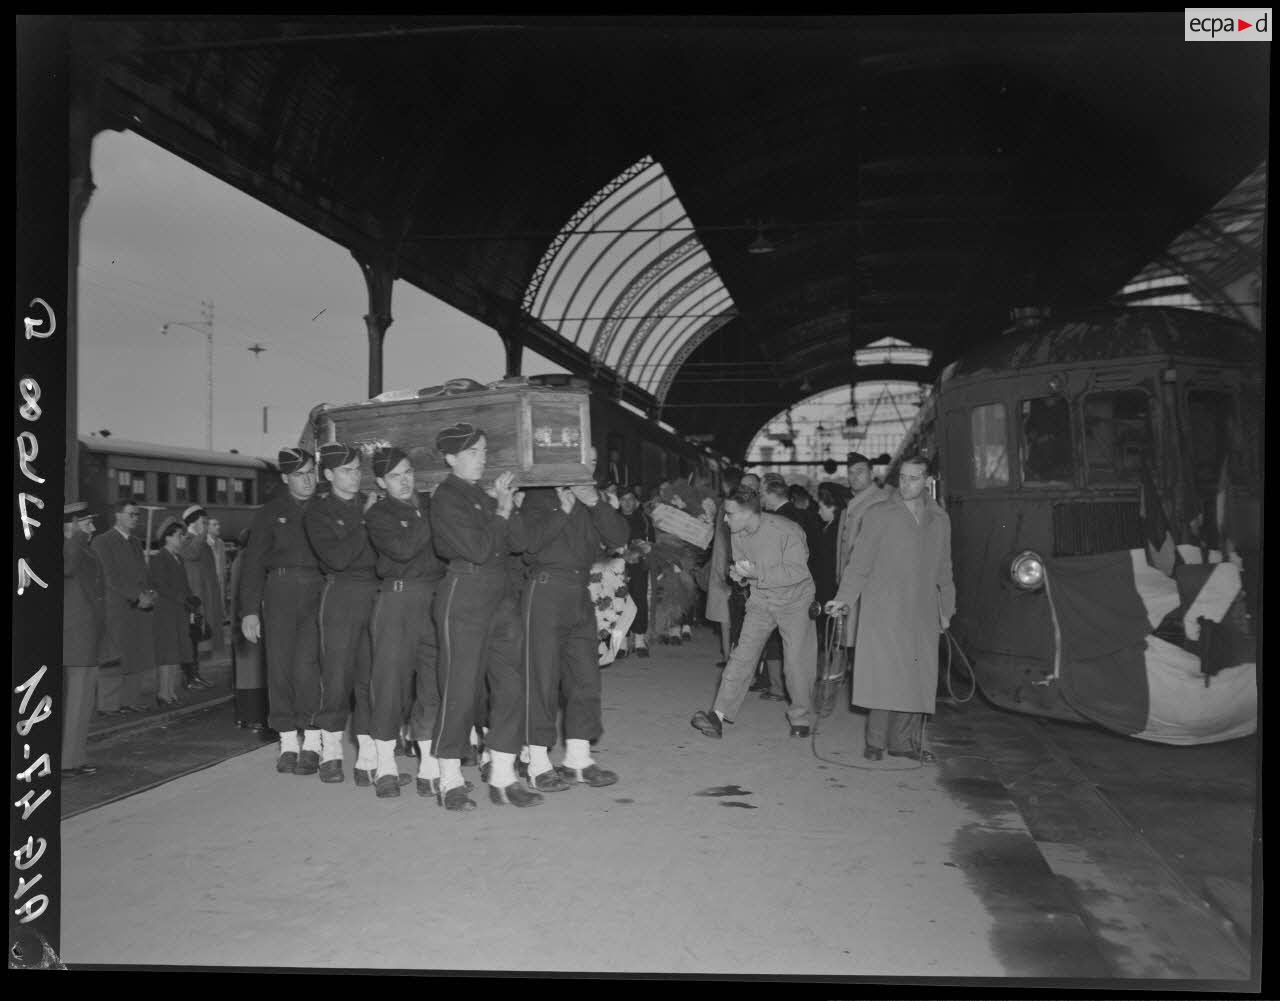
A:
{"points": [[901, 570]]}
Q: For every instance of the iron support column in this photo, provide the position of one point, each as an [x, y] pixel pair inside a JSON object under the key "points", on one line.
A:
{"points": [[379, 277]]}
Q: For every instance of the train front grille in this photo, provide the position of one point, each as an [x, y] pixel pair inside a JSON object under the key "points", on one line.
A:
{"points": [[1083, 528]]}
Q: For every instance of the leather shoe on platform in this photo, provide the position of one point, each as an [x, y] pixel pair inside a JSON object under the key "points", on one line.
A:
{"points": [[799, 730], [429, 787], [308, 763], [759, 686], [708, 724], [642, 652], [922, 756], [873, 753], [363, 776], [387, 786], [593, 775], [772, 697], [549, 781], [287, 763], [331, 771], [513, 795], [457, 799]]}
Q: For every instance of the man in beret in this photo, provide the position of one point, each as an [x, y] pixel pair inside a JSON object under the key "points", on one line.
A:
{"points": [[335, 528], [471, 532], [279, 594], [83, 625], [404, 628], [202, 577], [866, 493], [563, 531]]}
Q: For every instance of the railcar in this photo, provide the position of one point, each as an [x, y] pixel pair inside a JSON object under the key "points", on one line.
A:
{"points": [[1095, 469], [230, 486]]}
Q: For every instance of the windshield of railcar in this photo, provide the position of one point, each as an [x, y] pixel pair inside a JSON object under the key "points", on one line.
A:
{"points": [[1045, 442], [1117, 436]]}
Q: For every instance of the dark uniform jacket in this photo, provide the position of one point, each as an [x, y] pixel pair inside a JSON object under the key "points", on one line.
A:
{"points": [[401, 535], [553, 540], [335, 529], [124, 570], [83, 609], [276, 540], [465, 525]]}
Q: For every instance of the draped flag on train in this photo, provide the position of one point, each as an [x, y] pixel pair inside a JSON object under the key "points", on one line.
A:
{"points": [[1169, 659]]}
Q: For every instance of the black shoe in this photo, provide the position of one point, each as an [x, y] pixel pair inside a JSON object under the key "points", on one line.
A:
{"points": [[308, 763], [363, 776], [707, 723], [287, 763], [799, 730], [873, 753], [759, 686], [331, 771], [457, 799], [769, 696], [722, 663], [513, 795], [429, 787], [387, 786], [922, 756], [593, 775], [549, 781], [642, 651], [622, 655]]}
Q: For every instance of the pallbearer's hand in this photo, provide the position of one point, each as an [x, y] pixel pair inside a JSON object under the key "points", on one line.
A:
{"points": [[566, 498], [586, 493], [251, 627], [371, 500], [504, 489]]}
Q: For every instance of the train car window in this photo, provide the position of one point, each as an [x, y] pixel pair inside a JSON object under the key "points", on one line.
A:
{"points": [[1046, 441], [181, 489], [1117, 436], [1209, 416], [220, 490], [238, 491], [989, 435], [124, 484], [162, 488]]}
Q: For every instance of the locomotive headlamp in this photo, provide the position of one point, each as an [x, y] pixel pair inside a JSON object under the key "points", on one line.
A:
{"points": [[1027, 570]]}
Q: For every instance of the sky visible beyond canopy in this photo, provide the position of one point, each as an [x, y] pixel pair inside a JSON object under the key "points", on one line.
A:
{"points": [[159, 236]]}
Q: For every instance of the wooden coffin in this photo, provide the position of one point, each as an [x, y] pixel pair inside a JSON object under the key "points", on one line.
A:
{"points": [[683, 526], [541, 434]]}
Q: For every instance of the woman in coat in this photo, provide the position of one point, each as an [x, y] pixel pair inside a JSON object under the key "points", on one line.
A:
{"points": [[173, 611], [203, 580]]}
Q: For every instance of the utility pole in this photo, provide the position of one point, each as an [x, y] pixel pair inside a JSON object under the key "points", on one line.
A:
{"points": [[202, 326]]}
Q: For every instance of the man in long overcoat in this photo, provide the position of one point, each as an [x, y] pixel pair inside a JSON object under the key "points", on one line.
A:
{"points": [[130, 611], [901, 569], [83, 623]]}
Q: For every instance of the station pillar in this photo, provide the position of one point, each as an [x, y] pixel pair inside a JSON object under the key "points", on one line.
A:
{"points": [[379, 277], [514, 350]]}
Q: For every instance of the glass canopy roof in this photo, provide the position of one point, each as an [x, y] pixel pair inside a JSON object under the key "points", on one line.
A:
{"points": [[629, 282]]}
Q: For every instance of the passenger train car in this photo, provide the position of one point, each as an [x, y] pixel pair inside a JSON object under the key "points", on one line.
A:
{"points": [[228, 485], [1072, 458]]}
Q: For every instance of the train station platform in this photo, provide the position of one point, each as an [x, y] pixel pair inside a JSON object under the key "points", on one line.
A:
{"points": [[757, 854]]}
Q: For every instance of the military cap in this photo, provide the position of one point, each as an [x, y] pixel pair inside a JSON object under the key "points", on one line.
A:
{"points": [[290, 460], [74, 511], [337, 453], [386, 459], [458, 438]]}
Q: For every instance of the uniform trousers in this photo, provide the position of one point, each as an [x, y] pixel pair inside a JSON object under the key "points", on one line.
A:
{"points": [[799, 650], [404, 660], [291, 641], [478, 631], [561, 658], [638, 588], [897, 731], [78, 691], [346, 652]]}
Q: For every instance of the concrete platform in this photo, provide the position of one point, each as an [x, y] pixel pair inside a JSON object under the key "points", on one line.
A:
{"points": [[747, 855]]}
